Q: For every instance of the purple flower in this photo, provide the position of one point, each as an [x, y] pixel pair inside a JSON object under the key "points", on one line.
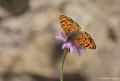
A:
{"points": [[67, 44]]}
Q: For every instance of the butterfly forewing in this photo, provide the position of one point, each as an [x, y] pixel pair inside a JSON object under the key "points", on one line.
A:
{"points": [[84, 39], [68, 24]]}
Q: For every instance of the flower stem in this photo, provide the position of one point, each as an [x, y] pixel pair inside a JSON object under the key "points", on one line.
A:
{"points": [[62, 65]]}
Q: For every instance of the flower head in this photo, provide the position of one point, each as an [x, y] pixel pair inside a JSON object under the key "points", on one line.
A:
{"points": [[67, 44]]}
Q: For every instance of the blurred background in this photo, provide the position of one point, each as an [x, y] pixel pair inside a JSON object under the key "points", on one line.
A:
{"points": [[28, 51]]}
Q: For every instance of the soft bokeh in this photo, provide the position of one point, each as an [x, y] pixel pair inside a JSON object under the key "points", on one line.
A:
{"points": [[28, 51]]}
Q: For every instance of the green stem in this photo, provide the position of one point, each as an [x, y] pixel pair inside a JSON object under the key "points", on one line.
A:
{"points": [[62, 65]]}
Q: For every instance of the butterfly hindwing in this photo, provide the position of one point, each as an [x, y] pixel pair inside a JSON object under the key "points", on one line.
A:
{"points": [[84, 39], [68, 24]]}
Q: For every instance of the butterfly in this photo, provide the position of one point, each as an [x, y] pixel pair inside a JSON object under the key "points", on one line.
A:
{"points": [[73, 33]]}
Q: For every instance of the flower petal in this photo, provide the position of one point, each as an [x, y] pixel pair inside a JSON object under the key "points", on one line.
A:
{"points": [[64, 45], [71, 49], [79, 49], [61, 37], [68, 45]]}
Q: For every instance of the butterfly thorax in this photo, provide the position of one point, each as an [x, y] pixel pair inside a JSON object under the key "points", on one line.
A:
{"points": [[73, 35]]}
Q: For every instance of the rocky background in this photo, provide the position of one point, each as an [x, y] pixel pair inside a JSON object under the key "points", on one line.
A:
{"points": [[28, 51]]}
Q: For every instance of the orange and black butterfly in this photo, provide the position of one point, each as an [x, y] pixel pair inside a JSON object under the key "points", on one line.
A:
{"points": [[73, 33]]}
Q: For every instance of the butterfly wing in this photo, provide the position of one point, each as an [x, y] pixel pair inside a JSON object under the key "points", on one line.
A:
{"points": [[84, 39], [68, 25]]}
